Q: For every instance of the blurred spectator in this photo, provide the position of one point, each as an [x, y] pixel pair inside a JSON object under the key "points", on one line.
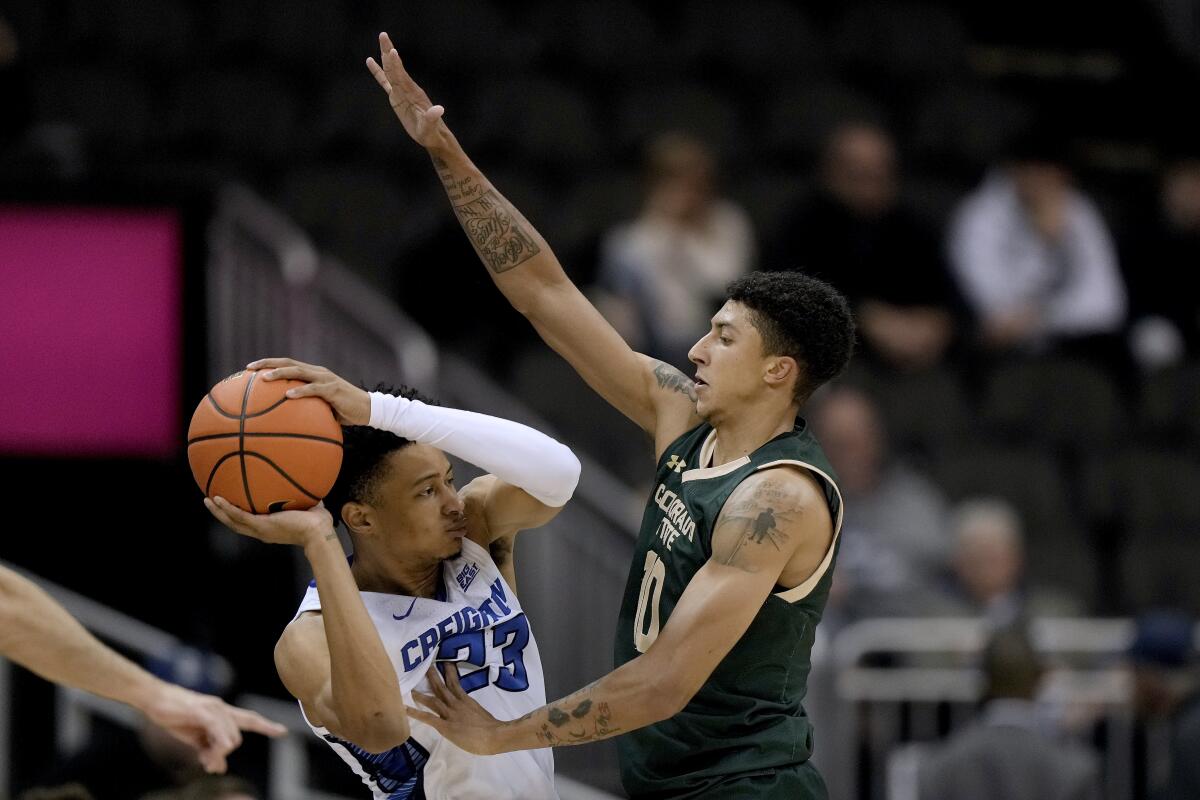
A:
{"points": [[989, 567], [855, 234], [668, 268], [1013, 752], [1166, 694], [1165, 321], [1035, 259], [895, 542]]}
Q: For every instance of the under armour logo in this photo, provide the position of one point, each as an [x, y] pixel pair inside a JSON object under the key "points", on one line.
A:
{"points": [[676, 463]]}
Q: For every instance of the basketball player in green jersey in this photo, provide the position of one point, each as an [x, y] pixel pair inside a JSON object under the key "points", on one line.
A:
{"points": [[733, 562]]}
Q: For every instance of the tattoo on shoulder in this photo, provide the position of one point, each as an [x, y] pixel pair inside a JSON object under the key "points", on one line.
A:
{"points": [[670, 378], [755, 519]]}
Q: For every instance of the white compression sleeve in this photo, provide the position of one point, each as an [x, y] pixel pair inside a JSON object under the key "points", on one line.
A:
{"points": [[514, 453]]}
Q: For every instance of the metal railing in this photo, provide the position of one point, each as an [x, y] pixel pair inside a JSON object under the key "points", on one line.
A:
{"points": [[896, 682]]}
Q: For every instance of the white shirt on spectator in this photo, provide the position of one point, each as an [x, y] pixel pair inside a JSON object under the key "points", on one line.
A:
{"points": [[1003, 264]]}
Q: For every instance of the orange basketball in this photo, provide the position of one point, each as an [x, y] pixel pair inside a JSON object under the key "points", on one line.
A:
{"points": [[260, 450]]}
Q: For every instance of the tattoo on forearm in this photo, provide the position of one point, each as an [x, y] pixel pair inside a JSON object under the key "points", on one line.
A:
{"points": [[670, 378], [495, 230], [588, 723]]}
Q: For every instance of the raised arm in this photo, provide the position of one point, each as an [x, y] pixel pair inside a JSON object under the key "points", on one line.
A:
{"points": [[334, 662], [657, 397], [713, 613], [39, 634]]}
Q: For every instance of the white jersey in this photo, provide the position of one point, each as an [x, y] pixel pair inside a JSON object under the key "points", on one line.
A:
{"points": [[476, 620]]}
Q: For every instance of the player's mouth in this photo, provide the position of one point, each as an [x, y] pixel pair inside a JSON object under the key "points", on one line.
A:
{"points": [[700, 382], [458, 530]]}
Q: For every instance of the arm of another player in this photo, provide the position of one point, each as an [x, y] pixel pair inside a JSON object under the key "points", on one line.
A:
{"points": [[334, 662], [773, 519], [657, 397], [41, 636]]}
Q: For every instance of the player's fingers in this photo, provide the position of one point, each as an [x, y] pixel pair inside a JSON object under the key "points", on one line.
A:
{"points": [[385, 42], [270, 363], [432, 720], [212, 761], [379, 75], [452, 682], [256, 723], [434, 113], [438, 684], [433, 703], [234, 517], [299, 372], [310, 389]]}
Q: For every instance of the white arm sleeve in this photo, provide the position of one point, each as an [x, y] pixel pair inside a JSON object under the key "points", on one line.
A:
{"points": [[514, 453]]}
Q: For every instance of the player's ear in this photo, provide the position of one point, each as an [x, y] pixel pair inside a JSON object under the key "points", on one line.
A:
{"points": [[781, 370], [358, 518]]}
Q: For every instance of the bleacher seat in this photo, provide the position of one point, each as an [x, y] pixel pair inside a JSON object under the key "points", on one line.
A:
{"points": [[1064, 404]]}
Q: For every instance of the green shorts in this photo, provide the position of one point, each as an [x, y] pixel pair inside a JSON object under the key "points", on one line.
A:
{"points": [[799, 782]]}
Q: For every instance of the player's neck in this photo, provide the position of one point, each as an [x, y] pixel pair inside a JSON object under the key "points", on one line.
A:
{"points": [[390, 576], [741, 433]]}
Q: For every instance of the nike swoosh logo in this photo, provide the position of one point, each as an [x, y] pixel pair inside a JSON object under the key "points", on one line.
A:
{"points": [[406, 613]]}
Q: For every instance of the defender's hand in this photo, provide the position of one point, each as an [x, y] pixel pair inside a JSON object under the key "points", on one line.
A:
{"points": [[419, 116], [456, 716], [351, 405]]}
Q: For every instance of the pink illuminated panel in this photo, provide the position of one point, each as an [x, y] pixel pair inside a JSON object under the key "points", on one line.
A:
{"points": [[89, 331]]}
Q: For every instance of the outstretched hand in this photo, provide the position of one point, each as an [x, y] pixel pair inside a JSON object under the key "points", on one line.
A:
{"points": [[455, 714], [210, 726], [419, 116]]}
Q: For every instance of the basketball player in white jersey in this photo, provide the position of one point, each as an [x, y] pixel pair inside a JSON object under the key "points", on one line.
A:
{"points": [[422, 590]]}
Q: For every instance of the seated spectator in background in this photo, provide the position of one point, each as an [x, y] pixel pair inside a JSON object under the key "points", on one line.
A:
{"points": [[854, 233], [895, 542], [1035, 259], [989, 567], [1165, 321], [1013, 751], [668, 268], [1166, 693]]}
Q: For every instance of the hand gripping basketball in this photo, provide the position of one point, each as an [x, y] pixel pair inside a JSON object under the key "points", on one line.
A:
{"points": [[351, 405]]}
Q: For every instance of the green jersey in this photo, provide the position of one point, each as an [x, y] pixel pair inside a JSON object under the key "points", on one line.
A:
{"points": [[747, 718]]}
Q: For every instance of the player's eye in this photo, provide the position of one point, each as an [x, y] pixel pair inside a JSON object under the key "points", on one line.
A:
{"points": [[726, 340]]}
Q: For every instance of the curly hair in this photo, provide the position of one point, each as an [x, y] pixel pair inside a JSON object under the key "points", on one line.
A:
{"points": [[801, 317], [364, 457]]}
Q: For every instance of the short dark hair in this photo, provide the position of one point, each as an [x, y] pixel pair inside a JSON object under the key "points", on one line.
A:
{"points": [[364, 453], [801, 317]]}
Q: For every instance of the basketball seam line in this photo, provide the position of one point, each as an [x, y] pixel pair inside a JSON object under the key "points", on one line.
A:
{"points": [[227, 415], [287, 477], [242, 443], [213, 472], [253, 435]]}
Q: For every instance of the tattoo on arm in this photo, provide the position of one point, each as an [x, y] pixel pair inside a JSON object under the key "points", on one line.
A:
{"points": [[670, 378], [495, 230], [587, 722], [755, 520]]}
